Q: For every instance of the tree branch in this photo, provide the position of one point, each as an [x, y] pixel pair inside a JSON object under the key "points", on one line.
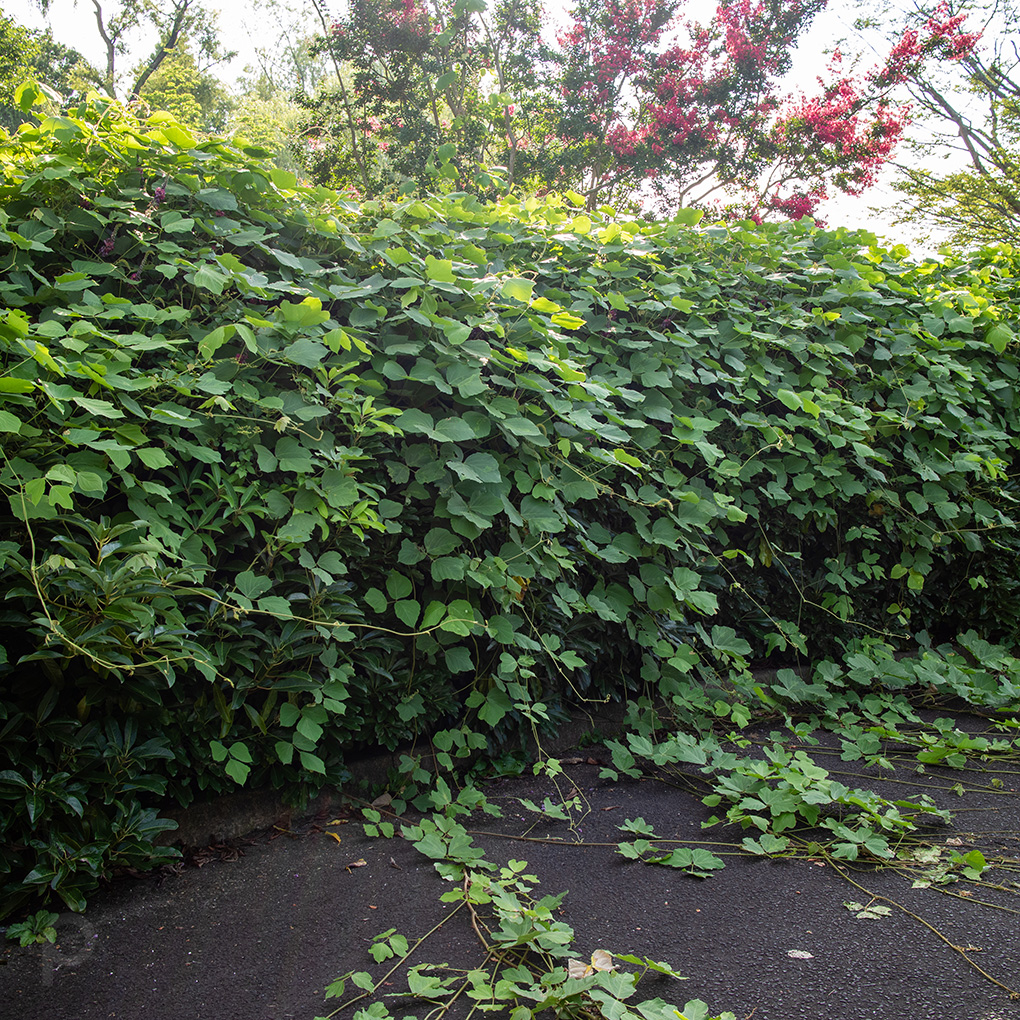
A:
{"points": [[165, 47], [110, 50]]}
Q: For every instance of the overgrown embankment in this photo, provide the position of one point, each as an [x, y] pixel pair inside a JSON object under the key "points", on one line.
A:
{"points": [[284, 477]]}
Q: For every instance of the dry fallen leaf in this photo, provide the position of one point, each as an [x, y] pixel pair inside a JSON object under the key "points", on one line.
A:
{"points": [[359, 863], [576, 969], [335, 836], [383, 800], [799, 954], [600, 960]]}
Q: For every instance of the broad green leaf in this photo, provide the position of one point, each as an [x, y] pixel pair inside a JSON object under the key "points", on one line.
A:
{"points": [[688, 217], [238, 771], [312, 763], [306, 352], [277, 605], [452, 430], [408, 611], [458, 659], [398, 585], [215, 339], [207, 278], [518, 289], [308, 313], [439, 541], [460, 619], [541, 516], [566, 320], [251, 585], [495, 706], [440, 270], [521, 427], [1000, 336], [790, 399], [413, 420], [9, 422]]}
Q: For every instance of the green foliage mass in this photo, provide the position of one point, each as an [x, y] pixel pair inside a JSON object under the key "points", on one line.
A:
{"points": [[284, 477]]}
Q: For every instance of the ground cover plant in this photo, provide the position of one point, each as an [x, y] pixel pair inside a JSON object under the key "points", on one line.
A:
{"points": [[795, 806], [528, 967], [286, 477]]}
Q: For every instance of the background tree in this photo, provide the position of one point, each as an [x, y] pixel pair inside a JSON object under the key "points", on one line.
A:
{"points": [[160, 26], [193, 95], [16, 50], [26, 53], [637, 98], [283, 41], [431, 94], [970, 112], [287, 63]]}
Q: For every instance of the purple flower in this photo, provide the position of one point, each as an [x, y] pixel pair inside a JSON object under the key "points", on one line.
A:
{"points": [[106, 248], [159, 194]]}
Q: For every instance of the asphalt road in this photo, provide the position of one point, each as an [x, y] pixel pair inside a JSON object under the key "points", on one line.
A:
{"points": [[259, 930]]}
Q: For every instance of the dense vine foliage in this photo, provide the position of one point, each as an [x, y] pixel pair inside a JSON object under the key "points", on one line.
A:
{"points": [[284, 477]]}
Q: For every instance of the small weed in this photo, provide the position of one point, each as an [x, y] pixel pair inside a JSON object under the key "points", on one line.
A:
{"points": [[36, 929]]}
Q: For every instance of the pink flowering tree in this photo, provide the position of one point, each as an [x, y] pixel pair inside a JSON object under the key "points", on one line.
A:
{"points": [[698, 115], [637, 101]]}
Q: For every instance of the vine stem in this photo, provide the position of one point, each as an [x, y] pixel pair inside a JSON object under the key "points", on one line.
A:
{"points": [[1013, 994], [400, 963]]}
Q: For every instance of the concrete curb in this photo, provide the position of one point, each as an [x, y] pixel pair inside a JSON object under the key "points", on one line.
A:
{"points": [[233, 815]]}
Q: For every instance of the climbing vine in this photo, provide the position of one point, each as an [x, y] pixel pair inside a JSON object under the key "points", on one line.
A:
{"points": [[284, 476]]}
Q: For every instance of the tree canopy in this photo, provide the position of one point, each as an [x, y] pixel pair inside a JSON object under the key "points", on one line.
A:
{"points": [[632, 97], [26, 54], [625, 101], [969, 111]]}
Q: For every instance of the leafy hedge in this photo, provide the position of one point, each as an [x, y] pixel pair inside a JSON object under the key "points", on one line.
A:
{"points": [[285, 477]]}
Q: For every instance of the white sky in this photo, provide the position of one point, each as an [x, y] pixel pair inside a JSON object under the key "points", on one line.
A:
{"points": [[73, 23]]}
